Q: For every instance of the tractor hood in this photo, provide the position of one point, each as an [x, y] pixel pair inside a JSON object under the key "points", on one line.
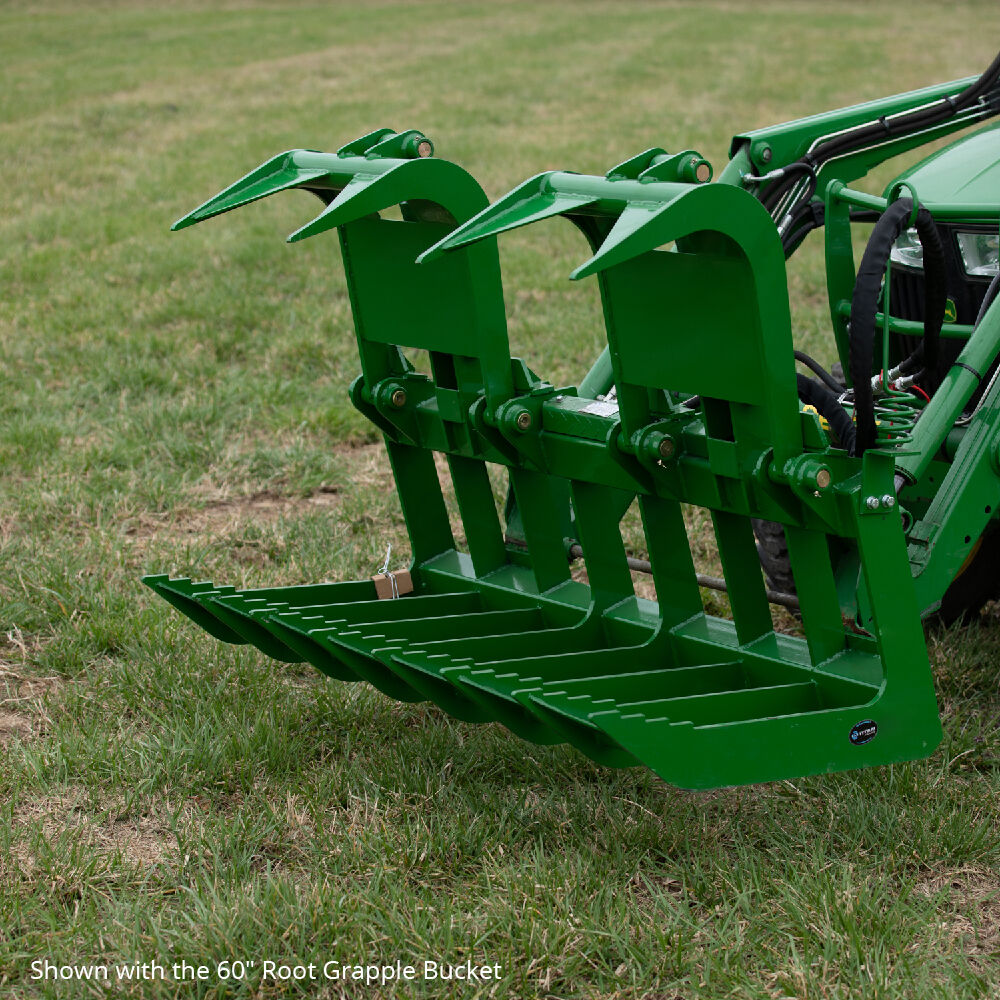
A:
{"points": [[963, 175]]}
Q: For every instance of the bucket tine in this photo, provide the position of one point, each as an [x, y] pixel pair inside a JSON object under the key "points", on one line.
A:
{"points": [[188, 597]]}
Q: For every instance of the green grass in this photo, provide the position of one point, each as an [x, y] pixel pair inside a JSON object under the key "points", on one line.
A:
{"points": [[178, 403]]}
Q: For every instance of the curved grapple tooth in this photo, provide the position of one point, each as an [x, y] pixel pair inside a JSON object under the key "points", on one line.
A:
{"points": [[619, 241], [278, 174], [532, 201], [363, 195]]}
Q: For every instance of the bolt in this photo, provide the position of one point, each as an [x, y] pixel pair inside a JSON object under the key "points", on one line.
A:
{"points": [[873, 503], [888, 501], [766, 154], [424, 148], [823, 479], [398, 398], [667, 447], [523, 420]]}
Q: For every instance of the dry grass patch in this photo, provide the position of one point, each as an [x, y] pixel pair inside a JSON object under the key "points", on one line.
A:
{"points": [[13, 726], [23, 698], [970, 909], [223, 513], [140, 839]]}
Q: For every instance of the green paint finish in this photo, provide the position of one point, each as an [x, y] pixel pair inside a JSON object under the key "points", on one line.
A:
{"points": [[694, 296]]}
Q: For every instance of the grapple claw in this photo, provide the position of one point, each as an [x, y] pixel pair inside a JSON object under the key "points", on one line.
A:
{"points": [[294, 169], [706, 414]]}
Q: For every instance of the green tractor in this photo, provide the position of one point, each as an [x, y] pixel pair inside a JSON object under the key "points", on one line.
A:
{"points": [[962, 183], [869, 492]]}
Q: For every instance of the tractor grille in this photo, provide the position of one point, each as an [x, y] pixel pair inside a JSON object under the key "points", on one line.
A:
{"points": [[907, 295], [907, 302]]}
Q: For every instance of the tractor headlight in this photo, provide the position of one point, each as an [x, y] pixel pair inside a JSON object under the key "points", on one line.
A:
{"points": [[907, 250], [980, 253]]}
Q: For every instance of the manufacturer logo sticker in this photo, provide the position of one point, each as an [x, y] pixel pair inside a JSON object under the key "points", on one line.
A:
{"points": [[863, 732], [950, 311]]}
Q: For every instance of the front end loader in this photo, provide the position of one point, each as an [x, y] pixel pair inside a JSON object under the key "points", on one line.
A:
{"points": [[870, 494]]}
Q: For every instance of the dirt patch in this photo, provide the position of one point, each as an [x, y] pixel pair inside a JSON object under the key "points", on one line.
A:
{"points": [[222, 513], [13, 726], [971, 911], [22, 697], [140, 838]]}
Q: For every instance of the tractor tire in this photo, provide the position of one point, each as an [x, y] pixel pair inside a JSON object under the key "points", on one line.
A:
{"points": [[976, 583], [772, 550]]}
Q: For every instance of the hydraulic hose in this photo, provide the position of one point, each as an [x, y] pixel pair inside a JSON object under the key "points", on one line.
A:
{"points": [[991, 294], [825, 377], [986, 88], [865, 303], [816, 394]]}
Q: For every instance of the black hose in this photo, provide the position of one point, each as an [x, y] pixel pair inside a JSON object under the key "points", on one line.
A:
{"points": [[986, 86], [811, 363], [816, 394], [865, 303], [814, 213], [991, 294], [914, 121], [776, 190]]}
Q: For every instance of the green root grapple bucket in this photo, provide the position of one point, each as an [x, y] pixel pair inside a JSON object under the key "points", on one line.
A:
{"points": [[707, 410]]}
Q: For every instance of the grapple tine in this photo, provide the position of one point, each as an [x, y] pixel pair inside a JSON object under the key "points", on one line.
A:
{"points": [[361, 145], [190, 599], [280, 173], [631, 221], [363, 195], [533, 201], [638, 231], [322, 173]]}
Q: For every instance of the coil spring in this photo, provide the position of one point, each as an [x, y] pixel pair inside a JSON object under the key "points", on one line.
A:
{"points": [[896, 414]]}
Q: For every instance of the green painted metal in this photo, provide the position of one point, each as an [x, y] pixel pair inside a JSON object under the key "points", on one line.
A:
{"points": [[965, 172], [693, 288]]}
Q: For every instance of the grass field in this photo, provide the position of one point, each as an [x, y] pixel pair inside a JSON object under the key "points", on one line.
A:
{"points": [[177, 403]]}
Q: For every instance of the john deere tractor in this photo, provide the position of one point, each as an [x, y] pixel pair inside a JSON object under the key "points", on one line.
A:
{"points": [[873, 488]]}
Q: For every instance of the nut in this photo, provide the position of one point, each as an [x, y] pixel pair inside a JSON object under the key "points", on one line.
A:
{"points": [[873, 503], [667, 447], [888, 501], [398, 398], [823, 479], [523, 420]]}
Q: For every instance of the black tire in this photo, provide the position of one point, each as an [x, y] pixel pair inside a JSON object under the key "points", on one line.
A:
{"points": [[772, 550], [974, 586]]}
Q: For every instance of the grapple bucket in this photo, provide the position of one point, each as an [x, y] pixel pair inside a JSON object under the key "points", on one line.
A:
{"points": [[692, 279]]}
